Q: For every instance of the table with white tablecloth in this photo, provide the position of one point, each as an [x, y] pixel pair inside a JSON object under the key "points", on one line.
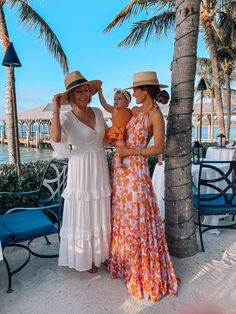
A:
{"points": [[158, 181], [219, 153]]}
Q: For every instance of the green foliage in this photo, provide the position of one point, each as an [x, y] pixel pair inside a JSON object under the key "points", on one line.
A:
{"points": [[32, 173]]}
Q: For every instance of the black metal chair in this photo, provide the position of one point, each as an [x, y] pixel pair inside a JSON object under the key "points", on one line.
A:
{"points": [[24, 224], [221, 180]]}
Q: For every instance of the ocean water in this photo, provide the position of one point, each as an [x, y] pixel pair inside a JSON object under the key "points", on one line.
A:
{"points": [[31, 154], [27, 154]]}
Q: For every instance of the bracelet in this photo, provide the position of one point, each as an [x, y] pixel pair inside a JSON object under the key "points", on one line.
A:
{"points": [[56, 112]]}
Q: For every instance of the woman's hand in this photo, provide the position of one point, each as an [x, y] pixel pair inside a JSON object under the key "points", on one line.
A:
{"points": [[57, 101], [56, 125], [123, 151], [99, 90]]}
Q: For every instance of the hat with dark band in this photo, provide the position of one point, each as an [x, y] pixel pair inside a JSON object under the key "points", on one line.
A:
{"points": [[75, 79]]}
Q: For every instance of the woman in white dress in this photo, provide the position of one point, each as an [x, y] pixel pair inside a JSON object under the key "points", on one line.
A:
{"points": [[85, 232]]}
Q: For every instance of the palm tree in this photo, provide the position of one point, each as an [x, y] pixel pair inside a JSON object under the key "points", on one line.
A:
{"points": [[204, 71], [227, 59], [30, 19], [225, 29], [208, 13], [180, 228], [227, 76]]}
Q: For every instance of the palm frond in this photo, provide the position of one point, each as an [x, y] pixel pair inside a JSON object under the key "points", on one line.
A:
{"points": [[132, 9], [167, 5], [226, 53], [204, 70], [157, 25], [13, 2], [135, 7], [225, 24], [30, 19], [204, 62]]}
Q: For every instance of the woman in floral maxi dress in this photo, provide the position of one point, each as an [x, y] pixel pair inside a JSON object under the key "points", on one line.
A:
{"points": [[139, 253]]}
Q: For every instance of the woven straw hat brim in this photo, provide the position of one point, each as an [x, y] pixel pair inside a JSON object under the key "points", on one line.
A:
{"points": [[93, 86]]}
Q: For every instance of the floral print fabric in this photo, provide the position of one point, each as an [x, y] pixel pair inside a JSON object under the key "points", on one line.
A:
{"points": [[139, 252]]}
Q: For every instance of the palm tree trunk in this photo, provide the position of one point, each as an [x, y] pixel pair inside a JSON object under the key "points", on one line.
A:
{"points": [[228, 105], [179, 223], [11, 141], [8, 94], [215, 78], [212, 118]]}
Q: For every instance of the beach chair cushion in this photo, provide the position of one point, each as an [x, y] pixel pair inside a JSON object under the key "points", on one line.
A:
{"points": [[25, 225], [213, 204]]}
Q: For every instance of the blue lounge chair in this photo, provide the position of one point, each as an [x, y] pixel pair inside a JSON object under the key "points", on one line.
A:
{"points": [[20, 226], [222, 197]]}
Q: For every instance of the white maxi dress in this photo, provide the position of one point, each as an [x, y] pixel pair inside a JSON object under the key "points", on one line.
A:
{"points": [[85, 232]]}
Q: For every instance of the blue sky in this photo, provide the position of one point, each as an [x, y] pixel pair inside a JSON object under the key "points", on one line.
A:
{"points": [[79, 26]]}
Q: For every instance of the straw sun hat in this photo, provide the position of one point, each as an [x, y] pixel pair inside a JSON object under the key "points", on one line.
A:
{"points": [[75, 79], [145, 78]]}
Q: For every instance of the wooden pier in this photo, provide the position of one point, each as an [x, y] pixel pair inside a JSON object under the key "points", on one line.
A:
{"points": [[42, 143]]}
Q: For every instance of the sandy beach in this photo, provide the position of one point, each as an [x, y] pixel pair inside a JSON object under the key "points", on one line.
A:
{"points": [[43, 287]]}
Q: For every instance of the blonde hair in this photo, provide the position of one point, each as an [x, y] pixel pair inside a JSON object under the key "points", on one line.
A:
{"points": [[125, 93]]}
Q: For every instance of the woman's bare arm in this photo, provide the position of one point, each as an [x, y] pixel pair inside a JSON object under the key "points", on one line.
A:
{"points": [[103, 102], [56, 125]]}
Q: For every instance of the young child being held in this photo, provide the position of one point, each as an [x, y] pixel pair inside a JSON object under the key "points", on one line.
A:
{"points": [[120, 117]]}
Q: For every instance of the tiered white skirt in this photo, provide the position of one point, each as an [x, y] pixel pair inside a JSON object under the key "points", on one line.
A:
{"points": [[86, 227]]}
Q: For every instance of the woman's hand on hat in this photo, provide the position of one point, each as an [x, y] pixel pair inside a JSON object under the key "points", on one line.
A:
{"points": [[57, 101], [99, 90]]}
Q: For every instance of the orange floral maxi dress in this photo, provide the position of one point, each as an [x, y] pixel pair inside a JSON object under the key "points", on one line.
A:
{"points": [[138, 251]]}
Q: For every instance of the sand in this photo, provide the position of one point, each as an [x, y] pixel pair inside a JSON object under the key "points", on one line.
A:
{"points": [[43, 287]]}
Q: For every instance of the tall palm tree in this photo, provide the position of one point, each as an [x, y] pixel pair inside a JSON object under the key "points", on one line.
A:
{"points": [[208, 14], [180, 228], [227, 67], [225, 29], [227, 59], [204, 71], [31, 20]]}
